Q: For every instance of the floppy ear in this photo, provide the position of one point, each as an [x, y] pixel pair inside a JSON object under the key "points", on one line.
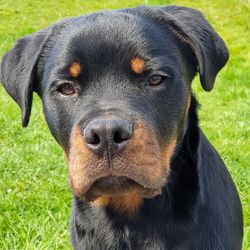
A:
{"points": [[18, 72], [210, 50]]}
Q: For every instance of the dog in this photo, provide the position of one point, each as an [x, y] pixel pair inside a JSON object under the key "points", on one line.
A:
{"points": [[116, 93]]}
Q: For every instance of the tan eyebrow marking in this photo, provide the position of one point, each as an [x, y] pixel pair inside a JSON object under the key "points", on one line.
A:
{"points": [[75, 69], [137, 65]]}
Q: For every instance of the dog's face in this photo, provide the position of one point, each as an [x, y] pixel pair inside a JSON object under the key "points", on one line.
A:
{"points": [[104, 97], [116, 91]]}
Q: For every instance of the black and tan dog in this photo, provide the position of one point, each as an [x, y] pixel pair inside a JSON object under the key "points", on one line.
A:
{"points": [[116, 92]]}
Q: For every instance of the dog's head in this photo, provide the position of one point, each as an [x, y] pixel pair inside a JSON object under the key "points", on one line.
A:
{"points": [[116, 88]]}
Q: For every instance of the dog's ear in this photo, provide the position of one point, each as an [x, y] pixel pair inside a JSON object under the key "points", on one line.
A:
{"points": [[210, 50], [18, 72]]}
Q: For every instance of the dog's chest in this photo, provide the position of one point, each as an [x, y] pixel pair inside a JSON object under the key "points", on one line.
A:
{"points": [[123, 242], [123, 238]]}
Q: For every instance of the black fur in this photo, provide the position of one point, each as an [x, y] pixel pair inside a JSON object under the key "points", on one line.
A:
{"points": [[199, 207]]}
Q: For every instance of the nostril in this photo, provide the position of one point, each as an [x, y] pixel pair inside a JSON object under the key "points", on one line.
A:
{"points": [[91, 137], [95, 139], [123, 134], [118, 138]]}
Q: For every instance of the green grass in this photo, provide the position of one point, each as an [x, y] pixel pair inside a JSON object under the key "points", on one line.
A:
{"points": [[35, 197]]}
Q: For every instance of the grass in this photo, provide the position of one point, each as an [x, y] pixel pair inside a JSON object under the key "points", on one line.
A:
{"points": [[35, 198]]}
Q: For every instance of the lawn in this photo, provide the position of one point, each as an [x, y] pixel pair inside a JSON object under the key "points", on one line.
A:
{"points": [[35, 197]]}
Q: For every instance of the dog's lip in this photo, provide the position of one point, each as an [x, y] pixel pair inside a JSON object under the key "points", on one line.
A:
{"points": [[116, 182], [117, 185]]}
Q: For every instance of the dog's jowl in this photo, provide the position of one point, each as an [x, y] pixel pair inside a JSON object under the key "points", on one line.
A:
{"points": [[116, 92]]}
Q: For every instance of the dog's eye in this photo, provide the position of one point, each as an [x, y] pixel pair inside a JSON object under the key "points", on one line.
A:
{"points": [[155, 80], [66, 89]]}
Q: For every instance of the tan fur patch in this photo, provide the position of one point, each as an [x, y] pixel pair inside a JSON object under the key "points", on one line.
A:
{"points": [[128, 202], [144, 153], [78, 157], [137, 65], [75, 69], [102, 201], [168, 154], [187, 105]]}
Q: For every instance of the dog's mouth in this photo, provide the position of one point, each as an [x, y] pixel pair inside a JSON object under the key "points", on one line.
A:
{"points": [[140, 170], [117, 186], [113, 184]]}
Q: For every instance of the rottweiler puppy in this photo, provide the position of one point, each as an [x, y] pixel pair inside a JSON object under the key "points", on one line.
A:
{"points": [[116, 93]]}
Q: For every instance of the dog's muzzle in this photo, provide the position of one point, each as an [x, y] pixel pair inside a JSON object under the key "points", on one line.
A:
{"points": [[110, 153]]}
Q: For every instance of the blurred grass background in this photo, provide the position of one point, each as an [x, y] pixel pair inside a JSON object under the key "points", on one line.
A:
{"points": [[35, 198]]}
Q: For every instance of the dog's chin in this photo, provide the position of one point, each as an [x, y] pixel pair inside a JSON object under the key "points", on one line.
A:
{"points": [[118, 186]]}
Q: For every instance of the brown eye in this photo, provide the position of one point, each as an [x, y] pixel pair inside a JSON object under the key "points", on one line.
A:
{"points": [[155, 80], [66, 89]]}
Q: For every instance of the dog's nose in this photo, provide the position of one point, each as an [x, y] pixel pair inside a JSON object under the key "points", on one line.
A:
{"points": [[107, 135]]}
